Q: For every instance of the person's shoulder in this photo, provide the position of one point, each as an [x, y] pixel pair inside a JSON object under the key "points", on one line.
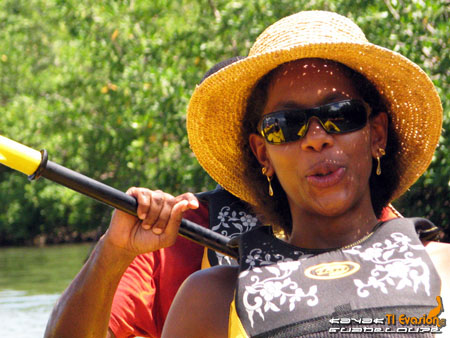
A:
{"points": [[202, 304], [212, 279], [213, 286]]}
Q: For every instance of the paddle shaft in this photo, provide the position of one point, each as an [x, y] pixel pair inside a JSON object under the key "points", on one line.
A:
{"points": [[119, 200]]}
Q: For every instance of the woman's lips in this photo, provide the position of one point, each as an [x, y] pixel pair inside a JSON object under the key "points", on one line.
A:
{"points": [[326, 177]]}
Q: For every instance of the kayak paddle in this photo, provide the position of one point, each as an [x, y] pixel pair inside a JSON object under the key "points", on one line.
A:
{"points": [[36, 164]]}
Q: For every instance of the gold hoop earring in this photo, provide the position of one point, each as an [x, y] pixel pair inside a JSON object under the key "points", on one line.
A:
{"points": [[382, 153], [269, 179]]}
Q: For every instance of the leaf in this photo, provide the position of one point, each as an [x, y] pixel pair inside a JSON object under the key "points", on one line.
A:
{"points": [[403, 248], [251, 290], [403, 283], [261, 314], [388, 254], [390, 281], [273, 270], [273, 307], [358, 283], [243, 273], [238, 226], [291, 306], [312, 290]]}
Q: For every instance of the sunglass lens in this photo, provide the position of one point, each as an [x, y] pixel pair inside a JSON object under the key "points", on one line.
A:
{"points": [[272, 129], [295, 122], [344, 116], [283, 126]]}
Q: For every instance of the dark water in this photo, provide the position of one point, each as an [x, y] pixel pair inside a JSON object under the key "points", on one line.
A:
{"points": [[31, 280]]}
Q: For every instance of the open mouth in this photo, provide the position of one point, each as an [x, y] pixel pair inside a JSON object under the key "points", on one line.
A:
{"points": [[324, 169], [325, 175]]}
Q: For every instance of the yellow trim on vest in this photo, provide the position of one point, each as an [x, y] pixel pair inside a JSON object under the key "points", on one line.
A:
{"points": [[205, 260], [235, 328]]}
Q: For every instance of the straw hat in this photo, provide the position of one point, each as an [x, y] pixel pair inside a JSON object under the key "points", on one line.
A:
{"points": [[218, 105]]}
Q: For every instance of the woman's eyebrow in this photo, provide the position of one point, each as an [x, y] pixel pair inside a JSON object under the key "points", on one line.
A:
{"points": [[332, 97], [291, 104]]}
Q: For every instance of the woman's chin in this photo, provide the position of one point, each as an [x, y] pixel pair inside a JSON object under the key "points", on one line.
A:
{"points": [[332, 206]]}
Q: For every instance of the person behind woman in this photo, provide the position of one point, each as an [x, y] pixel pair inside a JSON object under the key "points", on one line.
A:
{"points": [[359, 125], [136, 299]]}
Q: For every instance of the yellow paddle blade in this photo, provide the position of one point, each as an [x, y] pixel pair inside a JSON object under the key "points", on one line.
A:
{"points": [[19, 157]]}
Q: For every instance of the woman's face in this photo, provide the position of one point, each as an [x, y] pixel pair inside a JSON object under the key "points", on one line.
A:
{"points": [[321, 173]]}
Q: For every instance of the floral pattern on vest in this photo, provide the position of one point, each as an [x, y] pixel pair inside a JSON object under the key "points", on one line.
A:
{"points": [[282, 288]]}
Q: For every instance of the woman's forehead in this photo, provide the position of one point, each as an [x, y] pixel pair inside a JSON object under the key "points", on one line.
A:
{"points": [[310, 67], [310, 82]]}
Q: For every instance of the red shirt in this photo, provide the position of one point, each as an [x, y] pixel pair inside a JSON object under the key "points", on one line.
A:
{"points": [[148, 286]]}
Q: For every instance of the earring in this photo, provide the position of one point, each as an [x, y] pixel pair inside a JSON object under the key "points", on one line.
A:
{"points": [[382, 153], [269, 179]]}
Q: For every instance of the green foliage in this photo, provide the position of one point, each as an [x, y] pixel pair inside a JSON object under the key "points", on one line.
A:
{"points": [[104, 85]]}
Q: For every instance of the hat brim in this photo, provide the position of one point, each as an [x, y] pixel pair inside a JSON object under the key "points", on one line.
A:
{"points": [[217, 107]]}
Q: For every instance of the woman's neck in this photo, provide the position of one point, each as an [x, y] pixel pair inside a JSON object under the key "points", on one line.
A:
{"points": [[315, 231]]}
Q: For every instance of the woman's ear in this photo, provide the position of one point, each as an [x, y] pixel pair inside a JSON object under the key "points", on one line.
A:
{"points": [[379, 131], [259, 149]]}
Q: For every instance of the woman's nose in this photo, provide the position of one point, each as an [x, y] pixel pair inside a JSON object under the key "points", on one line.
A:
{"points": [[316, 137]]}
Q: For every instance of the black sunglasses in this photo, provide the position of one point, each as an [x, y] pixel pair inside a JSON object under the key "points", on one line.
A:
{"points": [[336, 118]]}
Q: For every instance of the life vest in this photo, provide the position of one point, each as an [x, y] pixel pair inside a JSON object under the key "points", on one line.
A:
{"points": [[286, 291], [231, 217], [228, 216]]}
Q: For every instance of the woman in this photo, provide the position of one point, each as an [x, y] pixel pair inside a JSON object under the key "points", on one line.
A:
{"points": [[319, 130]]}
